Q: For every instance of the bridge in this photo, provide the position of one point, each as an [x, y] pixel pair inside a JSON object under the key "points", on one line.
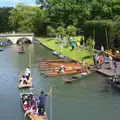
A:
{"points": [[15, 37]]}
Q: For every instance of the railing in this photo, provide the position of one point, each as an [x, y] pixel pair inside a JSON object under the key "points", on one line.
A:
{"points": [[16, 34]]}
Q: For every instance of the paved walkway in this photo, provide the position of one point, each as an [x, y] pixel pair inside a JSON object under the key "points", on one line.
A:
{"points": [[107, 71]]}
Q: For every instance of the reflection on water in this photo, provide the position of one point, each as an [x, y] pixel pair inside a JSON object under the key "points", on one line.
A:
{"points": [[91, 98]]}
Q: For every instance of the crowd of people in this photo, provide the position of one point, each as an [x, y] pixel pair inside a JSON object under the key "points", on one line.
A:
{"points": [[25, 79], [33, 105]]}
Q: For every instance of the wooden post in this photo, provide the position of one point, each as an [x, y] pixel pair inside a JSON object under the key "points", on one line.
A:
{"points": [[93, 40], [30, 61], [106, 36], [51, 104]]}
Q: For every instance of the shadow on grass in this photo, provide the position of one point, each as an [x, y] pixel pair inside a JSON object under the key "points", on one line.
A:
{"points": [[87, 57], [66, 46], [58, 42], [49, 39]]}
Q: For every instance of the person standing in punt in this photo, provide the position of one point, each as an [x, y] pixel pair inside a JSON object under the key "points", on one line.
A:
{"points": [[41, 104], [27, 73]]}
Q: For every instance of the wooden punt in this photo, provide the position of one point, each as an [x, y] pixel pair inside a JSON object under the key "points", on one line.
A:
{"points": [[56, 60], [58, 73], [53, 65], [32, 116], [115, 56], [58, 68], [114, 84]]}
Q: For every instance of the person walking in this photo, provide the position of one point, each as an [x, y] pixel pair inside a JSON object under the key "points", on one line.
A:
{"points": [[100, 61], [41, 104]]}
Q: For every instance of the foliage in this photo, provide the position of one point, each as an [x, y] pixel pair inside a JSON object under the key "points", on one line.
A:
{"points": [[26, 18], [50, 31], [115, 34], [4, 15], [71, 30], [100, 34], [79, 55], [89, 45], [60, 30], [85, 15]]}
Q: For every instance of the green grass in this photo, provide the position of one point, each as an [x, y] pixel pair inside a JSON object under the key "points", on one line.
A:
{"points": [[3, 38], [76, 54]]}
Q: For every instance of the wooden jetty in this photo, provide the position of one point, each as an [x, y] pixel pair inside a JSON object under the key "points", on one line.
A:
{"points": [[105, 70]]}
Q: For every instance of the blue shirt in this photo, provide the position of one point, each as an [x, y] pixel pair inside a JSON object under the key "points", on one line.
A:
{"points": [[42, 99]]}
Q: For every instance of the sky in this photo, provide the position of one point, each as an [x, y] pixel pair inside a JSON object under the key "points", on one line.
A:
{"points": [[13, 3]]}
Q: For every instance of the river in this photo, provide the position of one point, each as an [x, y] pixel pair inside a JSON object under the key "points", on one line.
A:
{"points": [[91, 98]]}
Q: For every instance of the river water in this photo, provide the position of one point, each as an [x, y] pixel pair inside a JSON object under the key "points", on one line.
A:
{"points": [[91, 98]]}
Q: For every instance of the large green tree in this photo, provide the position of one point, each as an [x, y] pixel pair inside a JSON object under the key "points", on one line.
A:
{"points": [[4, 15], [66, 12], [26, 18]]}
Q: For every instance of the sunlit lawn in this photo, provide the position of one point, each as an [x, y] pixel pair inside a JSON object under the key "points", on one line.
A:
{"points": [[76, 54]]}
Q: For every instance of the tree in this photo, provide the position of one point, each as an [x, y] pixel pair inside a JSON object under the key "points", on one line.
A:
{"points": [[50, 31], [89, 45], [60, 30], [4, 15], [26, 18], [71, 30]]}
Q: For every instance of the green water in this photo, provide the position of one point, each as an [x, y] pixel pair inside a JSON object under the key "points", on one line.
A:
{"points": [[91, 98]]}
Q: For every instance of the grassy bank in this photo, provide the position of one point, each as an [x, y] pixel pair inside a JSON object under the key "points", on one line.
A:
{"points": [[3, 39], [76, 54]]}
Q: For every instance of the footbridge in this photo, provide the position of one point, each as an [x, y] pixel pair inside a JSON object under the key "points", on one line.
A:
{"points": [[15, 37]]}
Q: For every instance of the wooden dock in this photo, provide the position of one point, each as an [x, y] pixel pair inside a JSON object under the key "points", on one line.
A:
{"points": [[105, 70]]}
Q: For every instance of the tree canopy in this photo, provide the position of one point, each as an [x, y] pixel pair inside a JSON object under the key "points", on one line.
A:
{"points": [[26, 18], [63, 14], [4, 15]]}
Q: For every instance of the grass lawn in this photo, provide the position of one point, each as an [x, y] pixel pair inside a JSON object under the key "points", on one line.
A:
{"points": [[3, 38], [76, 54]]}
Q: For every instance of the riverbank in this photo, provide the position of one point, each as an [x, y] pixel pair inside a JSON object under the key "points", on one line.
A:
{"points": [[76, 54]]}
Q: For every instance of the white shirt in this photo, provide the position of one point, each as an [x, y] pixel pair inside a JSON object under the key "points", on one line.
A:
{"points": [[102, 48], [27, 71]]}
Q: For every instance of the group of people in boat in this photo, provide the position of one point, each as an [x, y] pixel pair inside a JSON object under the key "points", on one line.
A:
{"points": [[33, 105], [21, 49], [26, 78]]}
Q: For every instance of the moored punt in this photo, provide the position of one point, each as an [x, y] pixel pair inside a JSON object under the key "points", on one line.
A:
{"points": [[58, 73], [58, 68], [115, 56], [55, 60], [114, 82], [29, 110], [53, 65]]}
